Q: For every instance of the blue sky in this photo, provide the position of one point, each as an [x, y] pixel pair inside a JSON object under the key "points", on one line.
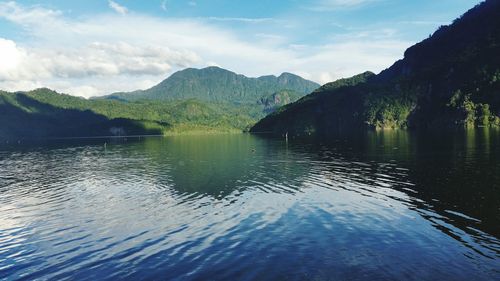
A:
{"points": [[96, 47]]}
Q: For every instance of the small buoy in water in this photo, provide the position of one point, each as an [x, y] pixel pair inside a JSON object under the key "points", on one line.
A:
{"points": [[253, 150]]}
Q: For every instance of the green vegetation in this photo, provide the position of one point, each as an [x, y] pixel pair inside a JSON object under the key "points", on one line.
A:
{"points": [[472, 114], [191, 101], [346, 82], [387, 112], [45, 113], [278, 99], [217, 85], [23, 116], [451, 79]]}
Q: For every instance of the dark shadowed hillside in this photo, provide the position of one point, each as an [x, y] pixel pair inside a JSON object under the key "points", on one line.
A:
{"points": [[192, 100], [451, 79], [45, 113], [22, 116]]}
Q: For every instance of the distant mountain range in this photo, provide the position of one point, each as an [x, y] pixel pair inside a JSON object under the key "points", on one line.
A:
{"points": [[451, 79], [217, 85], [191, 100]]}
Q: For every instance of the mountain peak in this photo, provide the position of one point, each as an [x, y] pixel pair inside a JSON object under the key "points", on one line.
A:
{"points": [[287, 74], [215, 84], [212, 68]]}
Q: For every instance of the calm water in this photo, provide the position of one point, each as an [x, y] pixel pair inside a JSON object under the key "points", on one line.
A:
{"points": [[382, 206]]}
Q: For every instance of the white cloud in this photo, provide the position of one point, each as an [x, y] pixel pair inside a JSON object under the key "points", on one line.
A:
{"points": [[211, 63], [325, 77], [17, 14], [95, 59], [334, 61], [10, 56], [137, 51], [117, 7], [192, 3]]}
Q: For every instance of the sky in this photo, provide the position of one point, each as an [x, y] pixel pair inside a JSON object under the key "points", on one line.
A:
{"points": [[97, 47]]}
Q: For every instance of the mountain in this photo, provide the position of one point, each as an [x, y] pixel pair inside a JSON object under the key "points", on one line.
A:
{"points": [[22, 115], [192, 100], [217, 85], [275, 100], [45, 113], [451, 79]]}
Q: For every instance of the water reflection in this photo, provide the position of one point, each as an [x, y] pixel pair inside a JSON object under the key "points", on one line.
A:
{"points": [[383, 205], [451, 180], [218, 165], [456, 172]]}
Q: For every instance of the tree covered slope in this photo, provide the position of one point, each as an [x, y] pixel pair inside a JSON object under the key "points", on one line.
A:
{"points": [[214, 84], [22, 115], [45, 113], [206, 100], [451, 79]]}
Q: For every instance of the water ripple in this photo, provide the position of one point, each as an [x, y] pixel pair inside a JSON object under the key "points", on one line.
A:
{"points": [[215, 209]]}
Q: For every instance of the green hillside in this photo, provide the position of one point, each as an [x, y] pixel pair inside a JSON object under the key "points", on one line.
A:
{"points": [[21, 116], [45, 113], [193, 100], [214, 84], [278, 99], [450, 80]]}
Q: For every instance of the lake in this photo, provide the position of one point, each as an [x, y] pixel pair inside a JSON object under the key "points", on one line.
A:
{"points": [[390, 205]]}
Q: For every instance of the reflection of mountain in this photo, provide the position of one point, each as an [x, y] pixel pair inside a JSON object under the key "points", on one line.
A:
{"points": [[450, 180], [219, 165], [457, 173], [365, 204]]}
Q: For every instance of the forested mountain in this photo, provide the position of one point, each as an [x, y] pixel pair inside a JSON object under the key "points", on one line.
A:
{"points": [[23, 115], [276, 100], [214, 84], [451, 79], [45, 113], [210, 99]]}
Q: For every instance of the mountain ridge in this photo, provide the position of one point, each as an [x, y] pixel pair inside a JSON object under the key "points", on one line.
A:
{"points": [[448, 80], [46, 113], [215, 84]]}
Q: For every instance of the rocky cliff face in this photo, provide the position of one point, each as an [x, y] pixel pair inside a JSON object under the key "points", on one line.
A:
{"points": [[276, 100]]}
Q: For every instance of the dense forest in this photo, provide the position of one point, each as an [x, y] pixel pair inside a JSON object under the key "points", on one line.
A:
{"points": [[22, 115], [214, 84], [46, 113], [450, 80]]}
